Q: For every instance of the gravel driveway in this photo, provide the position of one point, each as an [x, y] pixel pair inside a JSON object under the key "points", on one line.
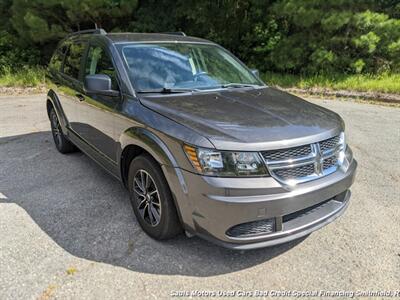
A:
{"points": [[67, 229]]}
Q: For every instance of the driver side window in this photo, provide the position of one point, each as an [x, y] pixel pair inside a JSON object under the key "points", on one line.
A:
{"points": [[98, 62]]}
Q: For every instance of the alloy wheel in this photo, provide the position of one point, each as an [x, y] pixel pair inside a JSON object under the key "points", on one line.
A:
{"points": [[147, 197], [56, 129]]}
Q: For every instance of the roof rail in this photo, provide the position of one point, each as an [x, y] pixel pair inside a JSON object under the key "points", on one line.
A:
{"points": [[175, 33], [87, 31]]}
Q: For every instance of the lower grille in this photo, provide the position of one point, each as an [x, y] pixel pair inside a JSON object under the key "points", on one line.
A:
{"points": [[303, 212], [252, 228], [292, 173]]}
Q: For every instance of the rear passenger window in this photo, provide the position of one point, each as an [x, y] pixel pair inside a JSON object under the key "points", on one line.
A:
{"points": [[73, 59]]}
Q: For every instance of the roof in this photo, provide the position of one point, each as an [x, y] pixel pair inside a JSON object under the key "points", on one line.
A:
{"points": [[152, 37]]}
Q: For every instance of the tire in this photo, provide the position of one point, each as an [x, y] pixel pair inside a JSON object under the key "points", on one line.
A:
{"points": [[63, 145], [159, 218]]}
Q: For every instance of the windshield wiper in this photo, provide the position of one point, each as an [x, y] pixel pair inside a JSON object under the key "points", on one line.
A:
{"points": [[165, 91], [238, 85]]}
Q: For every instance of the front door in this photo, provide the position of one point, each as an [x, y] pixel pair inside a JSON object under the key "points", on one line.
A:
{"points": [[96, 113]]}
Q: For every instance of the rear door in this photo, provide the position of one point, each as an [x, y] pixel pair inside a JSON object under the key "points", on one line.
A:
{"points": [[70, 83], [97, 112]]}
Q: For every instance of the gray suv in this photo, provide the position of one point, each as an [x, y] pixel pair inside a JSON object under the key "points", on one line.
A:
{"points": [[201, 143]]}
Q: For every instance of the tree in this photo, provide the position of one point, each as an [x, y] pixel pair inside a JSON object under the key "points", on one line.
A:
{"points": [[44, 20], [295, 36], [42, 23], [11, 53], [335, 36]]}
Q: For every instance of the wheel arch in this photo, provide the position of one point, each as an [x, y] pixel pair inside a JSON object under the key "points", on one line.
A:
{"points": [[139, 140], [50, 102], [53, 102]]}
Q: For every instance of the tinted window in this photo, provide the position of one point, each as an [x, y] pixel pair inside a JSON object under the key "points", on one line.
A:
{"points": [[57, 59], [99, 62], [73, 59]]}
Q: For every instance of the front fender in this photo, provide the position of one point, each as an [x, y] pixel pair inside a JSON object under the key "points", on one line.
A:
{"points": [[147, 140]]}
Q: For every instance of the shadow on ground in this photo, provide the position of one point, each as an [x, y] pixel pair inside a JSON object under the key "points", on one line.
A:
{"points": [[87, 212]]}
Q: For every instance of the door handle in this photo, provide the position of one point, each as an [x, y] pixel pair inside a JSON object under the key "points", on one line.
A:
{"points": [[80, 97]]}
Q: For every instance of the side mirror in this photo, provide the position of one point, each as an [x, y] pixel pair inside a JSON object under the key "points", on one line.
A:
{"points": [[99, 84], [255, 73]]}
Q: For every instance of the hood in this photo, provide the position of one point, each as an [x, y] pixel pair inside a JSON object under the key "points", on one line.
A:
{"points": [[244, 119]]}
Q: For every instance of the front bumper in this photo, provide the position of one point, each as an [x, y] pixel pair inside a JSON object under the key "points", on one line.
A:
{"points": [[210, 206]]}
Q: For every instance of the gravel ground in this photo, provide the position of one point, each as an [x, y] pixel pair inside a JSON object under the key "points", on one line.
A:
{"points": [[67, 229]]}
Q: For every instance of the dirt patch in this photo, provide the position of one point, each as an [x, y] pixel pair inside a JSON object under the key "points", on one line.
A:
{"points": [[4, 90]]}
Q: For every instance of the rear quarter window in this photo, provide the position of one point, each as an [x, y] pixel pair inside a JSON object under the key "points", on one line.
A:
{"points": [[57, 59]]}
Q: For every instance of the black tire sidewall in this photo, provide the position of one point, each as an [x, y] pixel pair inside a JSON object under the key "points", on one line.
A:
{"points": [[169, 225]]}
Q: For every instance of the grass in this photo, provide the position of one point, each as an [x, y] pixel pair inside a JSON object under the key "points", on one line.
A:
{"points": [[386, 83], [25, 77]]}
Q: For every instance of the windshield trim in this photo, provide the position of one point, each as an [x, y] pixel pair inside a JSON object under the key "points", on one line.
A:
{"points": [[166, 42], [201, 91]]}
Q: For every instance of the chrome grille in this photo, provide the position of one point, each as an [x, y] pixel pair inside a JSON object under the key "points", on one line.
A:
{"points": [[329, 143], [252, 228], [286, 153], [304, 163], [329, 162]]}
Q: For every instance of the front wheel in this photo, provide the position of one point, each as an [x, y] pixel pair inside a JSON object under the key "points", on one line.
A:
{"points": [[151, 199], [63, 145]]}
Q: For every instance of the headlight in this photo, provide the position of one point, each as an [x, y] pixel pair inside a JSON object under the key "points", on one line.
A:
{"points": [[225, 163]]}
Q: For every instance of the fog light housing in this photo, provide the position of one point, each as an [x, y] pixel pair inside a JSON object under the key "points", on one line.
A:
{"points": [[250, 229]]}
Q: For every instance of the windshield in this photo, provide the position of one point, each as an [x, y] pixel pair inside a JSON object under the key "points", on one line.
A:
{"points": [[184, 66]]}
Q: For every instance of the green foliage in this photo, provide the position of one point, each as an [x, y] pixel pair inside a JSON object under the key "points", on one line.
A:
{"points": [[40, 24], [342, 36], [12, 54], [291, 36], [358, 66], [44, 20]]}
